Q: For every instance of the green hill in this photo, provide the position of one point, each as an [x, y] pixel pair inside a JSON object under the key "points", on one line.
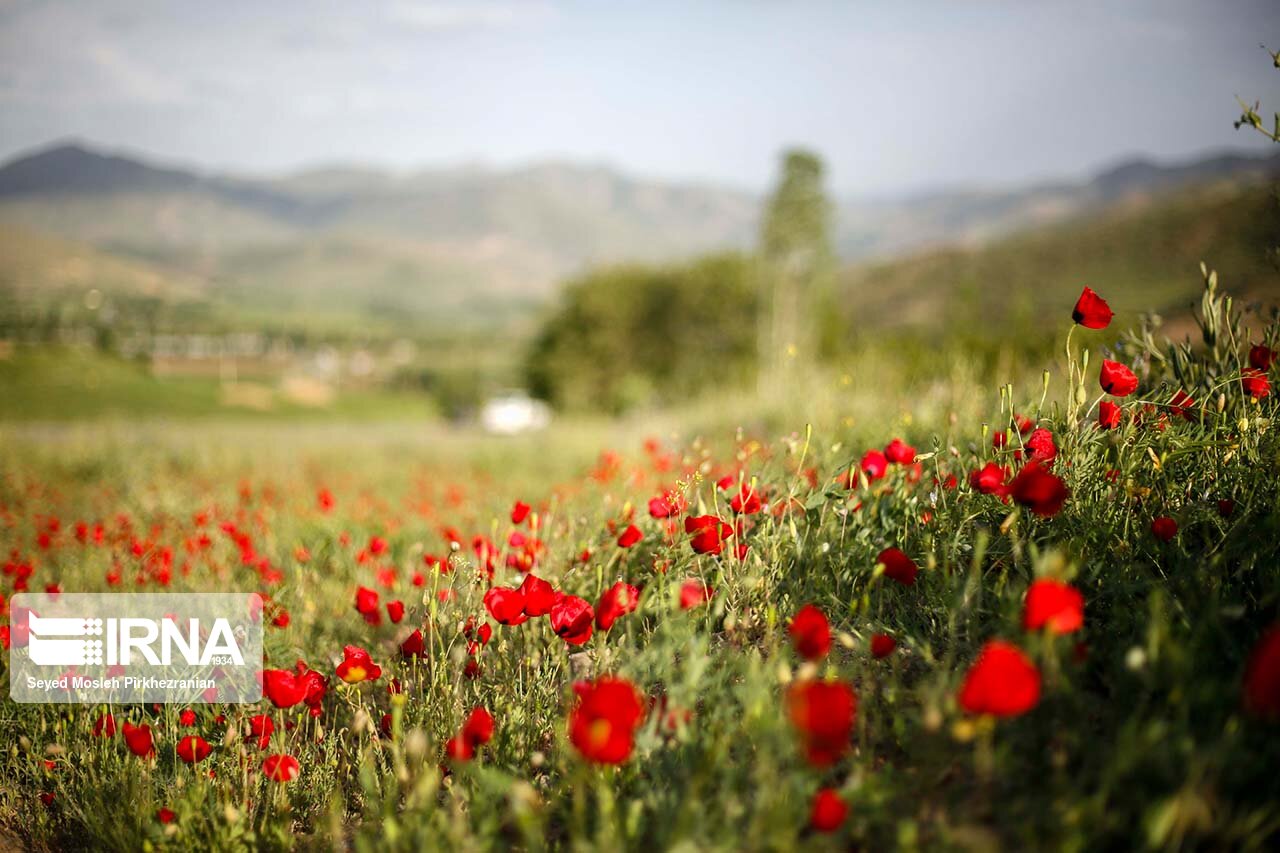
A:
{"points": [[48, 281], [1142, 255], [38, 268]]}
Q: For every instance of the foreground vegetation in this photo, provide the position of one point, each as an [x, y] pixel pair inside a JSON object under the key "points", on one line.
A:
{"points": [[1042, 622]]}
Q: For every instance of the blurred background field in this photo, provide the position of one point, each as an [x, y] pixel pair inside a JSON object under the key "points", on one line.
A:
{"points": [[164, 269], [110, 325]]}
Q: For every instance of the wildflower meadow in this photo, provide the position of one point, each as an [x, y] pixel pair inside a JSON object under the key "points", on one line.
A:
{"points": [[1052, 621]]}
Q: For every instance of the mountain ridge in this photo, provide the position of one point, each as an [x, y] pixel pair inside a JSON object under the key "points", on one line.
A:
{"points": [[435, 242], [1132, 169]]}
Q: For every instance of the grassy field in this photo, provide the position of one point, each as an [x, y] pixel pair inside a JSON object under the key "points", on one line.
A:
{"points": [[65, 384], [772, 625]]}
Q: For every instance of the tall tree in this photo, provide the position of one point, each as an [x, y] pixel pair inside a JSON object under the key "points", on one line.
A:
{"points": [[795, 259]]}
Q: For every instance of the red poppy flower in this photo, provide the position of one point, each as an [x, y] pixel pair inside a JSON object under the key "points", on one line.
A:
{"points": [[694, 593], [810, 633], [315, 685], [1091, 311], [1255, 383], [1109, 415], [520, 512], [663, 506], [630, 536], [284, 688], [506, 606], [458, 748], [187, 718], [104, 726], [395, 611], [1002, 681], [483, 633], [1041, 445], [1054, 605], [899, 452], [479, 726], [165, 815], [1182, 404], [990, 480], [356, 666], [1226, 507], [708, 533], [898, 566], [746, 501], [1038, 490], [823, 714], [476, 731], [539, 597], [138, 739], [1116, 379], [571, 619], [367, 605], [874, 465], [882, 645], [603, 722], [1164, 528], [281, 768], [414, 645], [261, 727], [377, 546], [828, 811], [1261, 357], [193, 749], [1262, 677], [616, 602]]}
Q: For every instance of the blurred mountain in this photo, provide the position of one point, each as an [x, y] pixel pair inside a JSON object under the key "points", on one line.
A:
{"points": [[37, 267], [895, 227], [429, 249], [1142, 255]]}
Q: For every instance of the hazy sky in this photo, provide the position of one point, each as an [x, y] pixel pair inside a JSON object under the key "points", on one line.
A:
{"points": [[896, 95]]}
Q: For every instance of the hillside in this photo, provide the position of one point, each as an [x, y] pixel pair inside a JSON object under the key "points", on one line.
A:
{"points": [[896, 227], [421, 249], [1144, 255], [419, 252], [38, 271]]}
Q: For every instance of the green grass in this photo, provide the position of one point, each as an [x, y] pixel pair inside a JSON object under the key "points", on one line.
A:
{"points": [[1139, 737], [63, 384]]}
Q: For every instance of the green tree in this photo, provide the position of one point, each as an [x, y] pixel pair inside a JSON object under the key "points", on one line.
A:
{"points": [[795, 262], [641, 335]]}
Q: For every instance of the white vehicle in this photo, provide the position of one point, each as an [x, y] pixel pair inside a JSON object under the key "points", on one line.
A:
{"points": [[514, 412]]}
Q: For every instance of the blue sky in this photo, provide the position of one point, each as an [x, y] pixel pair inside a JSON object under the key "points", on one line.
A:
{"points": [[898, 96]]}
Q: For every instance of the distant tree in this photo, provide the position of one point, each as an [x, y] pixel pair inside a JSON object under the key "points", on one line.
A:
{"points": [[795, 261], [642, 335]]}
